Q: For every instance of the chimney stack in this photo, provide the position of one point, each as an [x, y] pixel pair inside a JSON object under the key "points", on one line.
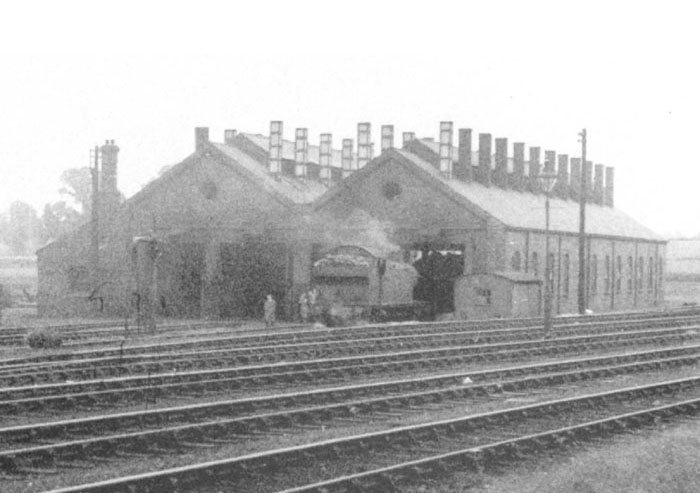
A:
{"points": [[587, 176], [408, 137], [534, 183], [561, 187], [463, 170], [325, 151], [201, 138], [446, 149], [275, 161], [348, 144], [301, 152], [575, 182], [609, 186], [229, 135], [500, 177], [364, 144], [484, 172], [519, 167], [387, 137], [550, 158], [598, 191], [108, 191]]}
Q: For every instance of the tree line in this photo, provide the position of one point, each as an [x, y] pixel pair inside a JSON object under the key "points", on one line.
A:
{"points": [[23, 230]]}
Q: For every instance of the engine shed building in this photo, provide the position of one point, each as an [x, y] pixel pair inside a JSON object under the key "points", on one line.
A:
{"points": [[250, 215]]}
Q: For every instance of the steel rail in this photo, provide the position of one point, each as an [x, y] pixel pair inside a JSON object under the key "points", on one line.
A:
{"points": [[196, 476], [26, 433], [318, 370], [109, 366], [177, 437]]}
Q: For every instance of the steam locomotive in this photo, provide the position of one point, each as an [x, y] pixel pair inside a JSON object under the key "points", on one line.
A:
{"points": [[357, 284]]}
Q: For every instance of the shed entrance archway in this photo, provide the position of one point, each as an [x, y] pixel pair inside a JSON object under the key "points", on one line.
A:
{"points": [[438, 266]]}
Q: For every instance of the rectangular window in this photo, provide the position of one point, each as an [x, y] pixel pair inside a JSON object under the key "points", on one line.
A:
{"points": [[483, 296], [630, 274], [607, 274], [650, 283], [618, 277], [594, 274], [565, 277], [640, 277]]}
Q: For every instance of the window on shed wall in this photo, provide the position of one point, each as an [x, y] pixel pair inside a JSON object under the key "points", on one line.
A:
{"points": [[618, 278], [630, 274], [594, 274], [640, 272], [515, 261], [535, 264], [650, 282], [606, 281], [565, 276]]}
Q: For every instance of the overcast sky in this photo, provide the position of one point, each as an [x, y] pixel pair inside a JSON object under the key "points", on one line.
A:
{"points": [[77, 73]]}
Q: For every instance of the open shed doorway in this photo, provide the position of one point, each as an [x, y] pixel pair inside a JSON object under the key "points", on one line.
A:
{"points": [[438, 266]]}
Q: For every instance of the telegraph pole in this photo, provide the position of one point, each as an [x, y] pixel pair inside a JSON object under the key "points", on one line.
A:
{"points": [[582, 229], [95, 231]]}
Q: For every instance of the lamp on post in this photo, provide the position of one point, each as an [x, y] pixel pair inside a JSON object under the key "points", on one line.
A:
{"points": [[547, 181]]}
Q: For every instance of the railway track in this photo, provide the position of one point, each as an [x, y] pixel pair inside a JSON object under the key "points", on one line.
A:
{"points": [[97, 393], [105, 364], [244, 417], [377, 461]]}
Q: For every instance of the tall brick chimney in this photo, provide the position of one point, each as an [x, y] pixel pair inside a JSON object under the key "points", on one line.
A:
{"points": [[609, 186], [518, 166], [348, 145], [201, 138], [484, 172], [550, 158], [561, 187], [446, 149], [463, 170], [587, 176], [533, 182], [598, 191], [301, 152], [109, 193], [406, 138], [500, 176], [575, 182]]}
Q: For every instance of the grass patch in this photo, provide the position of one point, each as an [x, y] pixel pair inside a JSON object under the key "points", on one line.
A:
{"points": [[651, 461]]}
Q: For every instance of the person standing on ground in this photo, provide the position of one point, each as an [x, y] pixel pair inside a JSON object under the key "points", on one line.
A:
{"points": [[270, 311], [304, 308]]}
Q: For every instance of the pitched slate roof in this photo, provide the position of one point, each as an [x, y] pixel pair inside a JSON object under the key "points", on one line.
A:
{"points": [[292, 189], [263, 143], [514, 209]]}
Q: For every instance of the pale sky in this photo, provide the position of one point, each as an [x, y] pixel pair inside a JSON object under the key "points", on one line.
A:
{"points": [[145, 74]]}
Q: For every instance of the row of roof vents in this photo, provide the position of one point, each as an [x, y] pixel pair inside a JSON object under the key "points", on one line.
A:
{"points": [[490, 169]]}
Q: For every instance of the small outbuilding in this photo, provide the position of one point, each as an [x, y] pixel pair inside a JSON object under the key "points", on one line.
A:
{"points": [[502, 294]]}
